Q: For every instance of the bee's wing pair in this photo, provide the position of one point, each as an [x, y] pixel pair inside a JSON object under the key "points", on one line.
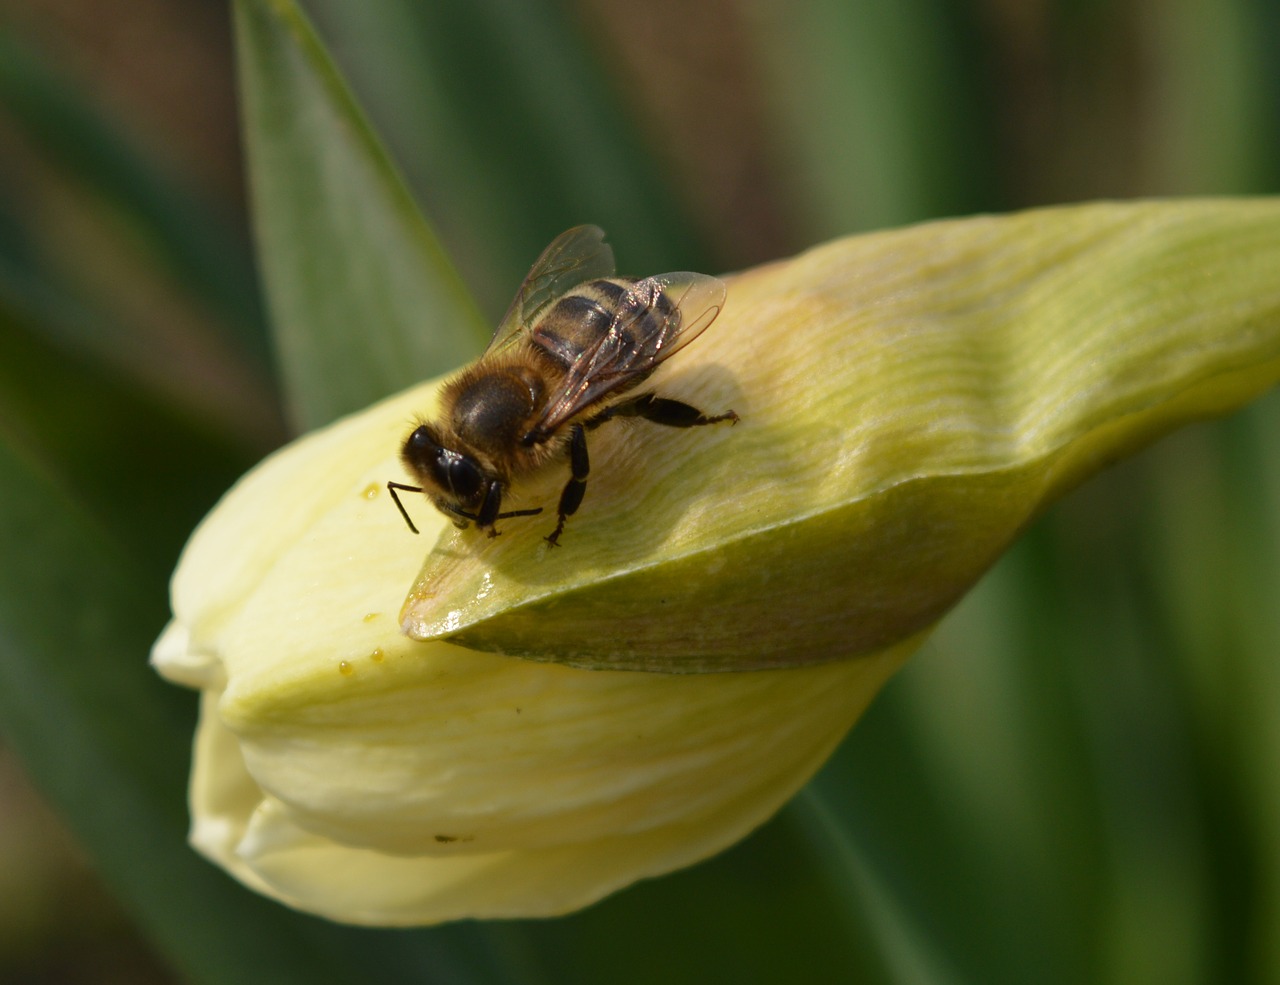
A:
{"points": [[579, 255], [656, 318]]}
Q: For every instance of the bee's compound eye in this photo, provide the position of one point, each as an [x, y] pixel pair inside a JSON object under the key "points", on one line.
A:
{"points": [[421, 452], [449, 471], [421, 445], [462, 476]]}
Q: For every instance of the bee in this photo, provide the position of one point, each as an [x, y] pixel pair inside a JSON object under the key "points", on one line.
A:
{"points": [[568, 356]]}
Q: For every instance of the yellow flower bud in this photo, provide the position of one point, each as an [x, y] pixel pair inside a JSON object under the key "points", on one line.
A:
{"points": [[909, 401], [353, 772]]}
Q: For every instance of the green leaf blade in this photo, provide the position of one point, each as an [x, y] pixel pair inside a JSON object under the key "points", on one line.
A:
{"points": [[362, 298]]}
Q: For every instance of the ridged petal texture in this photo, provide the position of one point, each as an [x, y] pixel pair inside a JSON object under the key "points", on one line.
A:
{"points": [[909, 401]]}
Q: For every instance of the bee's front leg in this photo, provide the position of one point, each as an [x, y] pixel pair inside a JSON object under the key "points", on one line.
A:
{"points": [[489, 508], [576, 487]]}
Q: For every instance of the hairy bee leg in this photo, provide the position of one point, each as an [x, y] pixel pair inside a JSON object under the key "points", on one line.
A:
{"points": [[391, 488], [576, 487], [670, 413]]}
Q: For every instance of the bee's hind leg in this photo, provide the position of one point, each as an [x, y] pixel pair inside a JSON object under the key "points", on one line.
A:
{"points": [[668, 412], [576, 487]]}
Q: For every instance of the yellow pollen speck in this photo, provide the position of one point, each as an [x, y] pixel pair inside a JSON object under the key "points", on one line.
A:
{"points": [[370, 491], [377, 655], [371, 616], [346, 669]]}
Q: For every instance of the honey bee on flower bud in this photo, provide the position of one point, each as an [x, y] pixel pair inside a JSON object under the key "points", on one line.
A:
{"points": [[575, 344]]}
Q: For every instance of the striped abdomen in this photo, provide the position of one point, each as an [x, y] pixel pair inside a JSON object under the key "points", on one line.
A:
{"points": [[578, 322]]}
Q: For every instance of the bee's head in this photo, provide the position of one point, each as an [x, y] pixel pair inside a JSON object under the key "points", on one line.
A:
{"points": [[453, 478]]}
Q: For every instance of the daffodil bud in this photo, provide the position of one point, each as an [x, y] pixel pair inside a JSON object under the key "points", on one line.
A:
{"points": [[908, 402]]}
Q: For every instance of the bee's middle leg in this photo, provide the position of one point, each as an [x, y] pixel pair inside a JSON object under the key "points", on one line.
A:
{"points": [[576, 487]]}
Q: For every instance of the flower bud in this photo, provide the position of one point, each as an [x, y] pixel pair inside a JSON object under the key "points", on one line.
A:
{"points": [[908, 402]]}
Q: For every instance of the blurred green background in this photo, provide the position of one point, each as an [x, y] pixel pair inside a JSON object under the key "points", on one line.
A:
{"points": [[1077, 780]]}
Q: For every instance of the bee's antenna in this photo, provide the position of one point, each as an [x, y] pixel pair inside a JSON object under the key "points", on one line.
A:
{"points": [[391, 488]]}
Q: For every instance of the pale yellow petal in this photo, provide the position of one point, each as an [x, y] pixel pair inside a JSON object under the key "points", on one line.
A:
{"points": [[351, 771], [471, 810]]}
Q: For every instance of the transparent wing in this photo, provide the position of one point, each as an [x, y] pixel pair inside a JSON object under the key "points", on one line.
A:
{"points": [[658, 317], [575, 256]]}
